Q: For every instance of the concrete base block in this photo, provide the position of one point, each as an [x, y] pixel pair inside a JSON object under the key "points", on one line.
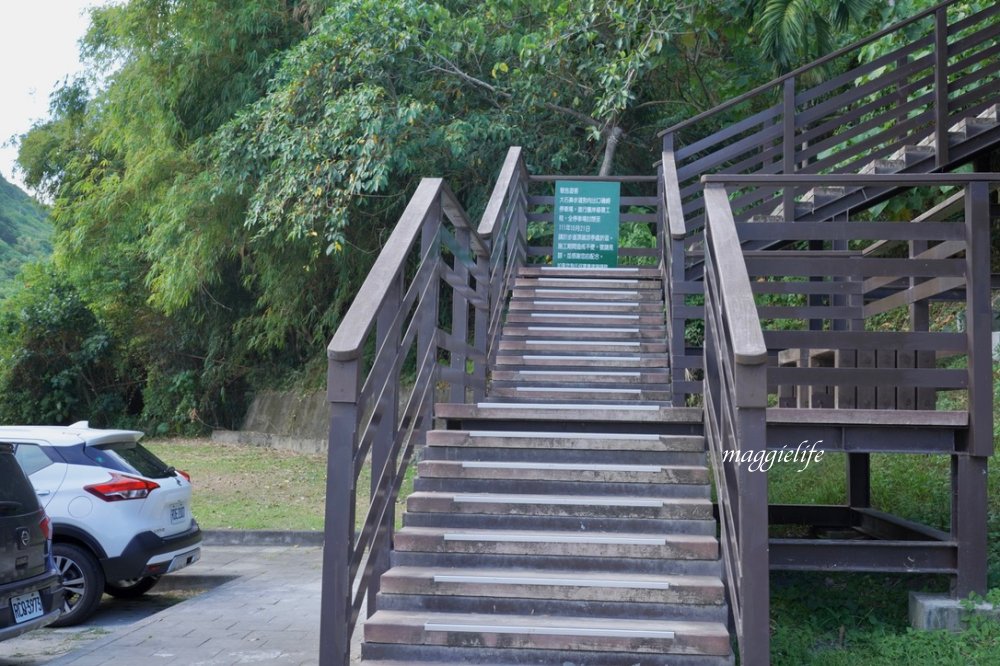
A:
{"points": [[940, 611]]}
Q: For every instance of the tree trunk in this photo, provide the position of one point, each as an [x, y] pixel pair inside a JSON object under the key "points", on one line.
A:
{"points": [[614, 136]]}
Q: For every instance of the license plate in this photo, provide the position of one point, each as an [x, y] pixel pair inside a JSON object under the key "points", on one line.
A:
{"points": [[177, 513], [27, 607]]}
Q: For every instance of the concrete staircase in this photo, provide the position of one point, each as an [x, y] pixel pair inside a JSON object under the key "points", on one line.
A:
{"points": [[559, 526]]}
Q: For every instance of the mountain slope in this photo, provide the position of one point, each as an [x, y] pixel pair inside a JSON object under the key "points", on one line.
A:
{"points": [[25, 232]]}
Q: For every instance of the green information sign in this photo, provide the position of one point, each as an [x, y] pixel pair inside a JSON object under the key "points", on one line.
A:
{"points": [[587, 216]]}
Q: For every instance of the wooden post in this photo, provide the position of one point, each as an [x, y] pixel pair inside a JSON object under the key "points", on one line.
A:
{"points": [[343, 388], [751, 400], [978, 318]]}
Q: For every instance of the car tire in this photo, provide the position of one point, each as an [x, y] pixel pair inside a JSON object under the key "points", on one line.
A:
{"points": [[132, 588], [83, 583]]}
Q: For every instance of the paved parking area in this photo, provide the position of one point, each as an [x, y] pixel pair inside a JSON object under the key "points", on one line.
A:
{"points": [[265, 611]]}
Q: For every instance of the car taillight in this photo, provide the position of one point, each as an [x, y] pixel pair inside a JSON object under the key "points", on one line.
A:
{"points": [[46, 525], [185, 475], [122, 487]]}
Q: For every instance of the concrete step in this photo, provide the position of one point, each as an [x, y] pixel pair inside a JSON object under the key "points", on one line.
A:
{"points": [[586, 377], [598, 273], [566, 472], [563, 393], [582, 360], [577, 332], [881, 166], [567, 282], [423, 655], [572, 506], [631, 295], [577, 441], [572, 561], [587, 318], [582, 306], [540, 345], [557, 543], [525, 486], [563, 585], [550, 633], [693, 612], [546, 449], [488, 410], [911, 155], [601, 523]]}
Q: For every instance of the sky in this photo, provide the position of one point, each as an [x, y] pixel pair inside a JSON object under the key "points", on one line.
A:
{"points": [[38, 49]]}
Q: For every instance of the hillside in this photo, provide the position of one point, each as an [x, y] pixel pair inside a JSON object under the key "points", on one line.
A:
{"points": [[25, 232]]}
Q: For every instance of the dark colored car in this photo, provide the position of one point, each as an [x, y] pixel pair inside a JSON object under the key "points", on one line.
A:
{"points": [[31, 594]]}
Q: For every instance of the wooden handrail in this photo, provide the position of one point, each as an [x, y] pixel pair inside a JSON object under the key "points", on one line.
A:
{"points": [[513, 165], [740, 308], [349, 338], [672, 195], [805, 68], [894, 179]]}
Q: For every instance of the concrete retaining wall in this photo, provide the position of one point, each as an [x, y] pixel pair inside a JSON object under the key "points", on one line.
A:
{"points": [[283, 420]]}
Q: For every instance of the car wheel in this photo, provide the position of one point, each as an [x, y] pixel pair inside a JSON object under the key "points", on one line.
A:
{"points": [[82, 580], [131, 588]]}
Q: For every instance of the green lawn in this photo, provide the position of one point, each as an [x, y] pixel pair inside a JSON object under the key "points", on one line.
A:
{"points": [[249, 488]]}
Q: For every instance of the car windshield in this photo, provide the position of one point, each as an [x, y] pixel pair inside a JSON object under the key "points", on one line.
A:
{"points": [[130, 458], [17, 497]]}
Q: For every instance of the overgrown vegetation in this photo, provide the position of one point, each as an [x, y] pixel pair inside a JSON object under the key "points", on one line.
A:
{"points": [[25, 233], [226, 171]]}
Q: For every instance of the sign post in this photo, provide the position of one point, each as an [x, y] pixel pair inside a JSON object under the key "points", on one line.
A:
{"points": [[587, 216]]}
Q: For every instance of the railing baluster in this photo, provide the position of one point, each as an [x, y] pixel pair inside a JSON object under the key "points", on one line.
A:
{"points": [[460, 318], [788, 146], [941, 121], [388, 336]]}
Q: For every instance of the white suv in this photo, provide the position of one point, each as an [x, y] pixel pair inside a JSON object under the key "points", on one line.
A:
{"points": [[121, 517]]}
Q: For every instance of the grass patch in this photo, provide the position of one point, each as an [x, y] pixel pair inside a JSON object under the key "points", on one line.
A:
{"points": [[249, 488], [255, 488], [842, 619]]}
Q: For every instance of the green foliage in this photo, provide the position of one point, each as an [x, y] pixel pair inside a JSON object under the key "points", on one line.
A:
{"points": [[25, 233], [796, 31], [56, 360], [226, 171]]}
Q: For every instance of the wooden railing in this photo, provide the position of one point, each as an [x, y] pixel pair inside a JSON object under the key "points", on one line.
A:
{"points": [[824, 292], [436, 267], [896, 112], [734, 402]]}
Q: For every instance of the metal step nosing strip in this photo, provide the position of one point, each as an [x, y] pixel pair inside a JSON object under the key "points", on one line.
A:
{"points": [[615, 304], [551, 357], [560, 389], [582, 500], [606, 343], [571, 406], [583, 329], [556, 538], [592, 315], [478, 464], [579, 373], [562, 435], [549, 631], [556, 582], [564, 279]]}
